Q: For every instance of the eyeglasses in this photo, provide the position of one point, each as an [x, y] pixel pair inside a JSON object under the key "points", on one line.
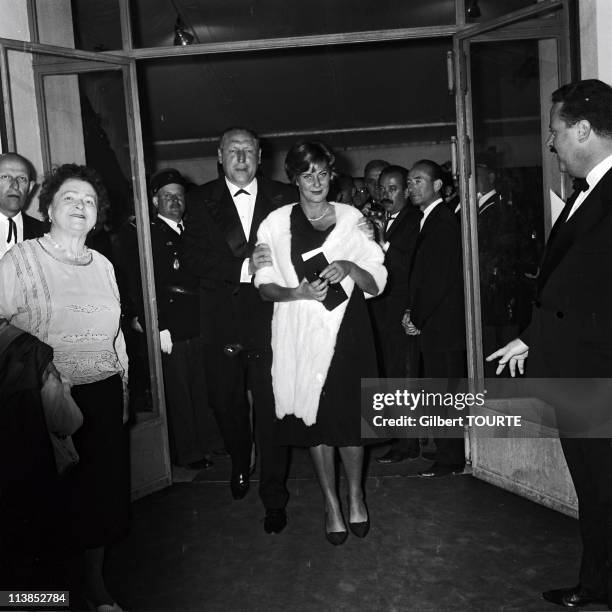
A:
{"points": [[21, 180]]}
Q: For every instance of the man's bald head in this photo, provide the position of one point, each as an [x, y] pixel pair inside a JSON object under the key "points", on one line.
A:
{"points": [[16, 183]]}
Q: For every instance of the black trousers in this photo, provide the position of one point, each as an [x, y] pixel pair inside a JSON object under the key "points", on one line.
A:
{"points": [[400, 354], [229, 379], [590, 465], [190, 420], [453, 366]]}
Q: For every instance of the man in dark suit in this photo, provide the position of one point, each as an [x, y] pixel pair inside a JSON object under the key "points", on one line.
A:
{"points": [[178, 313], [435, 308], [570, 334], [499, 266], [16, 184], [219, 247], [397, 239]]}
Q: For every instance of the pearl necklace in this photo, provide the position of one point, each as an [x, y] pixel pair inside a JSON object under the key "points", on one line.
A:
{"points": [[318, 218], [85, 253]]}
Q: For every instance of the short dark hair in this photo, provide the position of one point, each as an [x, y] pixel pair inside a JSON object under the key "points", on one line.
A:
{"points": [[375, 163], [403, 172], [59, 175], [434, 170], [238, 128], [590, 99], [26, 162], [303, 154]]}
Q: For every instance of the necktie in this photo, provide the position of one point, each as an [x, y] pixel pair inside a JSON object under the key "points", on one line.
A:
{"points": [[388, 219], [12, 233], [240, 192], [580, 184], [180, 227]]}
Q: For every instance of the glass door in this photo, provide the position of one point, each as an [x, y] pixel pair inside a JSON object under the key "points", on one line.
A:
{"points": [[506, 71], [88, 113]]}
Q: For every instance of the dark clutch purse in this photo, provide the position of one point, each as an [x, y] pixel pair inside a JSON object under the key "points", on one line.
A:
{"points": [[335, 292]]}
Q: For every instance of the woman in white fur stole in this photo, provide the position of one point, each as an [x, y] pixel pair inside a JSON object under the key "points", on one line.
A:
{"points": [[322, 344]]}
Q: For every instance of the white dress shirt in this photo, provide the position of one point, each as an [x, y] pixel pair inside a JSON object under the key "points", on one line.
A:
{"points": [[592, 178], [173, 224], [245, 206], [428, 210], [483, 199], [4, 232], [389, 222]]}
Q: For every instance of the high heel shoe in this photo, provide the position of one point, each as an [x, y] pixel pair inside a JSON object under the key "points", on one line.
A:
{"points": [[334, 537], [359, 529]]}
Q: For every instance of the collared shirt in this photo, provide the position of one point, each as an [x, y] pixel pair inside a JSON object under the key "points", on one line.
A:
{"points": [[245, 206], [173, 224], [4, 232], [428, 210], [483, 199], [592, 178], [389, 222]]}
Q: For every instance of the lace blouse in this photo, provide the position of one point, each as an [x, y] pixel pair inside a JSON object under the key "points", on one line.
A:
{"points": [[73, 307]]}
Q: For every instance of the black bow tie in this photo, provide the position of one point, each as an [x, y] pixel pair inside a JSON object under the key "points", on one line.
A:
{"points": [[580, 184], [241, 191], [12, 233]]}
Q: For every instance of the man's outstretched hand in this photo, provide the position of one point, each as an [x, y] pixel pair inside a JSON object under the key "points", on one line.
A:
{"points": [[513, 354]]}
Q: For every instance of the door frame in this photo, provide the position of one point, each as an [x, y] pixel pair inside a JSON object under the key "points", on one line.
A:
{"points": [[518, 25], [523, 24], [149, 437]]}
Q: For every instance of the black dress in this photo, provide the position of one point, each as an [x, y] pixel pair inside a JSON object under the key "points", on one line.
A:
{"points": [[338, 418]]}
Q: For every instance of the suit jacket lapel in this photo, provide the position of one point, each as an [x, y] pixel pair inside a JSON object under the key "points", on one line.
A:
{"points": [[225, 215], [398, 220], [566, 233], [260, 212], [264, 205]]}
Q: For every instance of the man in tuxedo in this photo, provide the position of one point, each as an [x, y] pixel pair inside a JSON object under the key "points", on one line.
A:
{"points": [[436, 312], [397, 239], [16, 184], [219, 247], [178, 312], [498, 256], [570, 334]]}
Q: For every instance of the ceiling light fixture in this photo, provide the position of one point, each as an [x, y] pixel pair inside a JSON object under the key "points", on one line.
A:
{"points": [[182, 37], [473, 10]]}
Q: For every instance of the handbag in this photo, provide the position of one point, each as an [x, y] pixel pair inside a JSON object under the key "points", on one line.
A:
{"points": [[64, 453], [63, 418]]}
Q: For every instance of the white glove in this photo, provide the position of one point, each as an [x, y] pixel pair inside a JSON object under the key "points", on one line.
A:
{"points": [[165, 339]]}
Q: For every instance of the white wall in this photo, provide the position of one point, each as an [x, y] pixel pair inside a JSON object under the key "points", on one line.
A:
{"points": [[55, 26], [14, 24], [596, 39]]}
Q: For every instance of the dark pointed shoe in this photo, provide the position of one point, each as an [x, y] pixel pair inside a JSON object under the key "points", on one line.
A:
{"points": [[437, 470], [202, 464], [239, 484], [573, 597], [336, 537], [395, 456], [361, 528], [275, 521]]}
